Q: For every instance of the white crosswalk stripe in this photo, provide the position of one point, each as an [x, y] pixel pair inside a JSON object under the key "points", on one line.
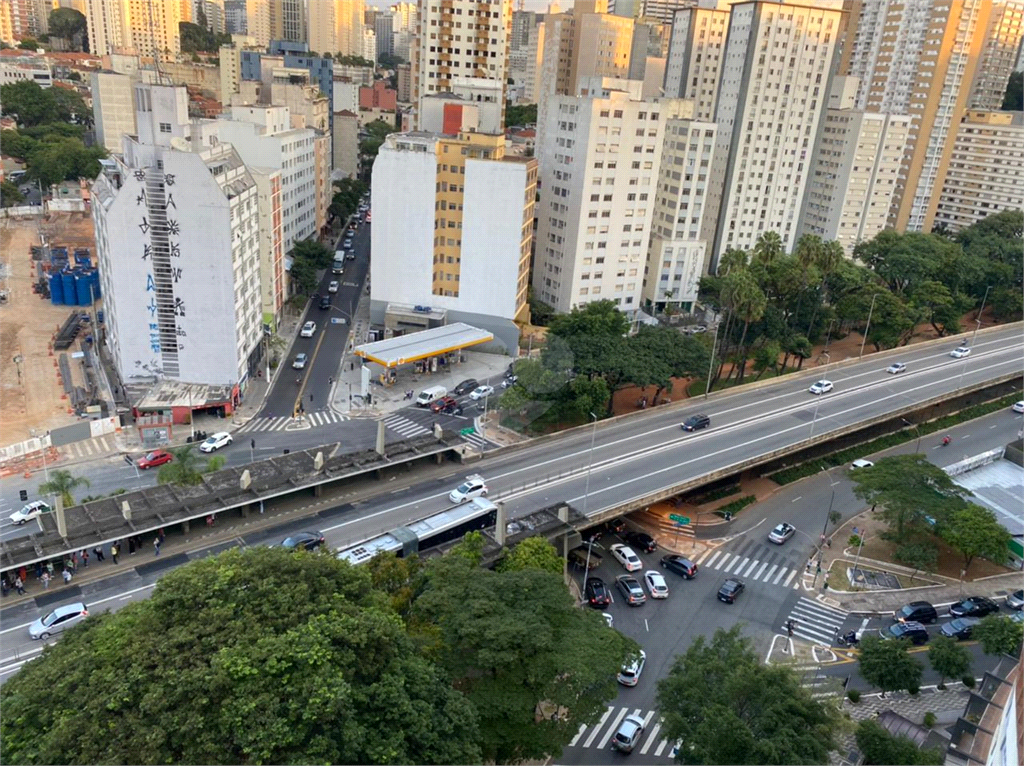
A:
{"points": [[599, 736], [476, 440], [405, 427], [100, 445], [815, 622], [749, 569], [316, 419]]}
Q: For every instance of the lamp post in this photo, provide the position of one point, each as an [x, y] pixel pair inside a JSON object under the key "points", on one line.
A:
{"points": [[868, 328], [977, 319], [590, 466], [818, 403], [917, 431], [832, 500], [711, 364]]}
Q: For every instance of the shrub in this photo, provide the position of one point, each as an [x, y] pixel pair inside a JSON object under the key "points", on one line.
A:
{"points": [[736, 505], [853, 695], [929, 719], [968, 681]]}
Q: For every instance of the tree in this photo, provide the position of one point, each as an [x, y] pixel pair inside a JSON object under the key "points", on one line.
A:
{"points": [[600, 318], [535, 666], [768, 247], [878, 746], [377, 131], [67, 23], [261, 656], [948, 658], [998, 634], [62, 483], [303, 277], [347, 196], [917, 554], [727, 708], [975, 531], [9, 193], [64, 159], [533, 553], [887, 665], [938, 305], [314, 252], [186, 469], [1013, 100], [389, 60], [520, 114], [27, 101]]}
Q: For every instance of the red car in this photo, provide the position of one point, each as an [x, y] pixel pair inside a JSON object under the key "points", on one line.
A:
{"points": [[443, 403], [155, 458]]}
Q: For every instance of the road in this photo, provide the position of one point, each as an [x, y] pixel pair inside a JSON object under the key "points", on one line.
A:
{"points": [[773, 594]]}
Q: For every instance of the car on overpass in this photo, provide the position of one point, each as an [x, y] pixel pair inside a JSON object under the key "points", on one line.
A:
{"points": [[821, 387], [960, 352], [31, 511], [303, 541], [473, 486], [895, 368], [155, 458], [696, 422]]}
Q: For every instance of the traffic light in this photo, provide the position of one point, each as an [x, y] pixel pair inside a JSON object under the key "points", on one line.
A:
{"points": [[253, 444], [23, 494], [128, 460]]}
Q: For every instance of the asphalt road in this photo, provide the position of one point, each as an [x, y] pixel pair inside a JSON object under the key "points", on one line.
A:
{"points": [[327, 346]]}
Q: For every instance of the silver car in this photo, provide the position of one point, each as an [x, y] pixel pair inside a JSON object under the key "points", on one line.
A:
{"points": [[629, 733], [59, 620], [781, 533]]}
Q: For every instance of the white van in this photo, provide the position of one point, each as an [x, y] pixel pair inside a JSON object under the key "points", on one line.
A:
{"points": [[339, 265], [429, 395]]}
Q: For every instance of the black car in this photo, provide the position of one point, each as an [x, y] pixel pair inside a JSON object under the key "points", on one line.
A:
{"points": [[614, 527], [960, 628], [452, 408], [466, 386], [975, 606], [916, 611], [730, 589], [325, 302], [641, 541], [696, 422], [305, 541], [596, 593], [914, 632], [681, 565]]}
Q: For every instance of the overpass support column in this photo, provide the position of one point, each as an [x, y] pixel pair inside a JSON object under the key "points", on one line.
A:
{"points": [[244, 511], [563, 516], [184, 527], [318, 490]]}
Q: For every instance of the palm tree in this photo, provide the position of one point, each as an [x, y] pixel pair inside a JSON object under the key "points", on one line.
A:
{"points": [[185, 470], [62, 483], [744, 299], [768, 247]]}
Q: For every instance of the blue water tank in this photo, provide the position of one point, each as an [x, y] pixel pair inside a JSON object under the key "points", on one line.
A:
{"points": [[56, 290], [70, 293], [83, 284]]}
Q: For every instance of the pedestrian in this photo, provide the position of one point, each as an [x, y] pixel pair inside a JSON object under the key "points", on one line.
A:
{"points": [[74, 561], [67, 576], [69, 564], [829, 542], [85, 557], [19, 585], [330, 380], [131, 546], [810, 563], [23, 574], [98, 553], [46, 580], [821, 540], [39, 570], [113, 552], [156, 546], [49, 568], [210, 520], [162, 535]]}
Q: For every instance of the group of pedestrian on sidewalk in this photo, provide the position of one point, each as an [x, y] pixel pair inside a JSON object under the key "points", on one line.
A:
{"points": [[45, 573]]}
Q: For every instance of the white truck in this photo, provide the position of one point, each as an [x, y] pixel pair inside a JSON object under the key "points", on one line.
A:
{"points": [[430, 395]]}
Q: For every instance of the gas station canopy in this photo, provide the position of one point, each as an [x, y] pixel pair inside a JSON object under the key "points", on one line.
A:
{"points": [[405, 349]]}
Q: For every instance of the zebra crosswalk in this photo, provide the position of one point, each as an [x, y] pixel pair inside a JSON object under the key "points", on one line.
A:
{"points": [[747, 568], [598, 736], [310, 420], [100, 445], [814, 621], [405, 427]]}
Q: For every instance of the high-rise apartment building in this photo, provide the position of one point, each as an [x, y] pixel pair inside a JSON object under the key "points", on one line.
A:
{"points": [[773, 90], [919, 58], [984, 175], [139, 27], [452, 227], [369, 44], [696, 47], [268, 20], [600, 154], [336, 26], [665, 10], [214, 13], [524, 58], [999, 55], [854, 170], [177, 240], [461, 42], [383, 27], [113, 108], [22, 20]]}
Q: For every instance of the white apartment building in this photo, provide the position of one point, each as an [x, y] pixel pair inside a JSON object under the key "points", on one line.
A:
{"points": [[452, 229], [677, 254], [26, 69], [177, 239], [1003, 35], [336, 26], [113, 108], [524, 58], [854, 170], [986, 170], [696, 47], [664, 10], [460, 42], [369, 44], [773, 91], [600, 154], [264, 138]]}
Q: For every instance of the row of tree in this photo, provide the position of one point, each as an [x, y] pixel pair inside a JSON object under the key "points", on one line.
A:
{"points": [[777, 306]]}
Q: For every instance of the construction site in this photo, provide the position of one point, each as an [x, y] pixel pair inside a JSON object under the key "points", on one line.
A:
{"points": [[49, 311]]}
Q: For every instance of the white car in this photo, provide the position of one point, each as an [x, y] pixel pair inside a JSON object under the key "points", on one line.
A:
{"points": [[1018, 406], [629, 675], [473, 486], [625, 556], [308, 330], [896, 368], [31, 511], [333, 286], [215, 442], [821, 387], [860, 463], [656, 584], [481, 392], [960, 352], [300, 362]]}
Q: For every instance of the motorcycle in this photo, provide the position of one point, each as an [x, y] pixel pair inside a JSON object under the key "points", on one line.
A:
{"points": [[850, 639], [945, 441]]}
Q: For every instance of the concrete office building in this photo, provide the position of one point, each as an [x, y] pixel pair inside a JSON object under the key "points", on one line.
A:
{"points": [[177, 241], [600, 155], [986, 170], [461, 42], [676, 256], [383, 27], [783, 55], [273, 268], [696, 47], [918, 58], [854, 170], [113, 108], [26, 69], [452, 227], [346, 145], [525, 56], [1002, 44]]}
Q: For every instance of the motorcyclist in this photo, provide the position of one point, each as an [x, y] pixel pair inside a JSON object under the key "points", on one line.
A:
{"points": [[850, 638], [946, 440]]}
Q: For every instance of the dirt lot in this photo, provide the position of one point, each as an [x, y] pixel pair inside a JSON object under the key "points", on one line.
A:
{"points": [[33, 405]]}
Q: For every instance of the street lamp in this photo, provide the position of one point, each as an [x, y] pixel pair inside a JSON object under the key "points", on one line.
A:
{"points": [[830, 502], [711, 364], [818, 403], [586, 491], [868, 328], [917, 430]]}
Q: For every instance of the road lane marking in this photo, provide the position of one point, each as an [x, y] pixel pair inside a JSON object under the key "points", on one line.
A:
{"points": [[600, 724], [615, 727], [651, 739], [712, 560]]}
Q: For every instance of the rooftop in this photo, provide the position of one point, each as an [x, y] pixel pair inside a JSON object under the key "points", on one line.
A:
{"points": [[422, 345]]}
